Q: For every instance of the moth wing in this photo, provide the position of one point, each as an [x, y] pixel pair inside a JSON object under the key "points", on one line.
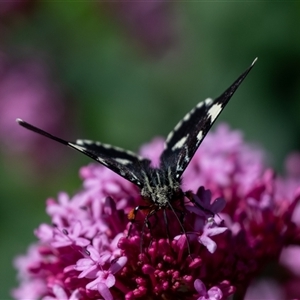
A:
{"points": [[182, 143], [125, 163]]}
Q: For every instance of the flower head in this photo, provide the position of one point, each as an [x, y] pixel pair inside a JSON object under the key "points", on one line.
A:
{"points": [[201, 249]]}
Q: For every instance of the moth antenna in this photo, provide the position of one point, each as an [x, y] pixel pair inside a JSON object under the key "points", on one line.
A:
{"points": [[41, 132]]}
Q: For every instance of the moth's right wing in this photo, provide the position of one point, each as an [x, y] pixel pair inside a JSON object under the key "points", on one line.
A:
{"points": [[183, 141]]}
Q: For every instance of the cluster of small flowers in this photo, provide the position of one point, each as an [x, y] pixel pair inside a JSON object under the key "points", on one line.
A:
{"points": [[87, 254]]}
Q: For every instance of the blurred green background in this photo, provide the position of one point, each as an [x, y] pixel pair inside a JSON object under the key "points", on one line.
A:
{"points": [[126, 72]]}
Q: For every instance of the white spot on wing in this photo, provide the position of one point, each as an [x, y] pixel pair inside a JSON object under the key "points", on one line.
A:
{"points": [[178, 125], [107, 146], [79, 142], [77, 147], [180, 143], [169, 137], [133, 176], [171, 134], [123, 161], [214, 111], [187, 116], [83, 142], [200, 104], [208, 101], [102, 161], [200, 135], [256, 58]]}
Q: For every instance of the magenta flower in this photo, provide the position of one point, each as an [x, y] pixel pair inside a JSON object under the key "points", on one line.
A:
{"points": [[266, 289], [210, 230], [89, 254]]}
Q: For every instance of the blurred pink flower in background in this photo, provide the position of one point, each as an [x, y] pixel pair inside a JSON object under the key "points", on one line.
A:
{"points": [[87, 254], [290, 256], [27, 91], [11, 8], [266, 290], [151, 23]]}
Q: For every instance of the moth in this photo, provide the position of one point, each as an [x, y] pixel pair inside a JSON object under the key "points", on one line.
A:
{"points": [[159, 187]]}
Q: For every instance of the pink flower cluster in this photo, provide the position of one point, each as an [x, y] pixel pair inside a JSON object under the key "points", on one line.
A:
{"points": [[88, 254]]}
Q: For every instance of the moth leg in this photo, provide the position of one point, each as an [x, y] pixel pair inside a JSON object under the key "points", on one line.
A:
{"points": [[151, 214], [147, 223], [132, 215], [181, 212], [181, 215], [182, 228], [167, 225]]}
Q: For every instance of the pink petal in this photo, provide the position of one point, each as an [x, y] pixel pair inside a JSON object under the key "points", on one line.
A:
{"points": [[216, 230], [77, 229], [215, 293], [118, 265], [110, 280], [59, 292], [208, 243], [200, 287], [218, 205], [104, 291]]}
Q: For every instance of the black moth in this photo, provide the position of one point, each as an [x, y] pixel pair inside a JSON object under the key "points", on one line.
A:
{"points": [[160, 187]]}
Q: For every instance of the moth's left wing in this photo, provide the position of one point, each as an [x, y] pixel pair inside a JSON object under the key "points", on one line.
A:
{"points": [[123, 162], [182, 143]]}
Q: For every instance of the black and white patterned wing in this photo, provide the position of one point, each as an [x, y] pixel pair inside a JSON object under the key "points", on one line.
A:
{"points": [[182, 143], [125, 163]]}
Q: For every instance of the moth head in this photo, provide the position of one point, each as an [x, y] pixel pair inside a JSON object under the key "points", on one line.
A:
{"points": [[161, 196]]}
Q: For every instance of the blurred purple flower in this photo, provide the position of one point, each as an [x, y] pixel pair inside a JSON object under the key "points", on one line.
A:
{"points": [[12, 8], [265, 289], [87, 254], [289, 187], [151, 23], [27, 91]]}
